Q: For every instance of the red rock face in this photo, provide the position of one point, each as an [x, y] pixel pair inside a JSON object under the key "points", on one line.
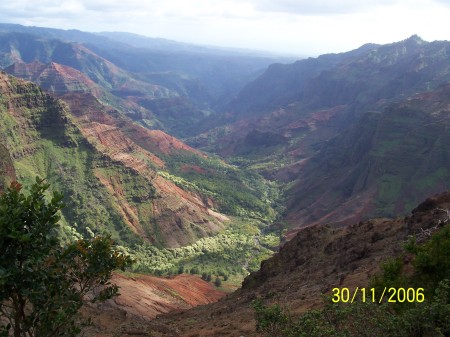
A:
{"points": [[149, 296], [55, 78], [139, 149], [158, 141], [143, 298], [193, 168], [161, 212]]}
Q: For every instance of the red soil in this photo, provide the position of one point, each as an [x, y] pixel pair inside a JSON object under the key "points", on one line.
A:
{"points": [[142, 299]]}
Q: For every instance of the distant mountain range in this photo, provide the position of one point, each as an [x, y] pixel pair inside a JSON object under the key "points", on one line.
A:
{"points": [[347, 136], [163, 77]]}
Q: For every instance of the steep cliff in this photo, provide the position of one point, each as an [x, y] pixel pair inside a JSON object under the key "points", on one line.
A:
{"points": [[113, 173], [383, 164], [54, 77]]}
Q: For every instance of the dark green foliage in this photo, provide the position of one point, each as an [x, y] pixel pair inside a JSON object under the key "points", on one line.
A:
{"points": [[431, 318], [432, 259], [236, 192], [218, 282], [7, 171], [392, 276], [42, 284], [270, 319]]}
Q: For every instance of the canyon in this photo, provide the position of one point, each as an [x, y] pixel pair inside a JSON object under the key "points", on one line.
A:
{"points": [[211, 161]]}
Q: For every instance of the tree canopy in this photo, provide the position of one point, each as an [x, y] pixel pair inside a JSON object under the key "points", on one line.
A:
{"points": [[44, 283]]}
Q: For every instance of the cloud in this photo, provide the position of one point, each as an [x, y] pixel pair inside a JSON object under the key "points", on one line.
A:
{"points": [[311, 27], [96, 13], [320, 7], [23, 10], [443, 2]]}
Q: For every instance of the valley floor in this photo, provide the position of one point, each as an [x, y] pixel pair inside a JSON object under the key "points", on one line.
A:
{"points": [[315, 261]]}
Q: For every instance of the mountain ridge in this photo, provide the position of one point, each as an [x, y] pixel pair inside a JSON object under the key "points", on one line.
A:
{"points": [[156, 85], [290, 140]]}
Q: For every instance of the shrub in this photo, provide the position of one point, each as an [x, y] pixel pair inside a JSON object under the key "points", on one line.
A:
{"points": [[42, 284]]}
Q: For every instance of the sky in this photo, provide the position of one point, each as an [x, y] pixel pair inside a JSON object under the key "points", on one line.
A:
{"points": [[291, 27]]}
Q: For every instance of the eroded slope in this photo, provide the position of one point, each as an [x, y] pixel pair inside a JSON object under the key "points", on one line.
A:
{"points": [[109, 182]]}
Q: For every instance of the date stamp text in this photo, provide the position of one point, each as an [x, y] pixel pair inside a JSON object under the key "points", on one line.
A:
{"points": [[392, 295]]}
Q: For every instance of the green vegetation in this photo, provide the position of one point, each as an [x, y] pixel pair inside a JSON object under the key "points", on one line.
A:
{"points": [[409, 319], [236, 192], [430, 261], [228, 253], [441, 174], [390, 187], [386, 146], [44, 283], [71, 171], [47, 143], [359, 319], [7, 171]]}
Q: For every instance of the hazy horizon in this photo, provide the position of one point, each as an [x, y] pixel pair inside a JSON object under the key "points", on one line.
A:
{"points": [[285, 27]]}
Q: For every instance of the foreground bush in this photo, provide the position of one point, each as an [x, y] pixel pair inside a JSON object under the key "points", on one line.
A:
{"points": [[43, 284]]}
